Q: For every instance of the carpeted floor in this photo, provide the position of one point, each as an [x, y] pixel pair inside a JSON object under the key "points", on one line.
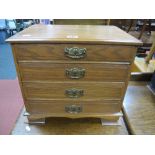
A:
{"points": [[11, 101], [7, 66]]}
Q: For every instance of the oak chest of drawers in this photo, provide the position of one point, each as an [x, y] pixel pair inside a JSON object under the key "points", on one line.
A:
{"points": [[73, 71]]}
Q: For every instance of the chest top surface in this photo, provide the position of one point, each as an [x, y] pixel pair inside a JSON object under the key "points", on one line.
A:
{"points": [[74, 34]]}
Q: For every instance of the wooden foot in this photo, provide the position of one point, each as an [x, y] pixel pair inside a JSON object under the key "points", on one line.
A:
{"points": [[111, 119], [32, 121], [40, 121], [110, 123]]}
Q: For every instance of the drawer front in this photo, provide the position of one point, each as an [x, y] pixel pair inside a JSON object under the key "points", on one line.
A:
{"points": [[72, 107], [48, 71], [74, 52], [73, 90]]}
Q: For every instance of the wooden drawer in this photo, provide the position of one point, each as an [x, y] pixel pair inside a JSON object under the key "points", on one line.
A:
{"points": [[56, 52], [74, 90], [48, 71], [73, 107]]}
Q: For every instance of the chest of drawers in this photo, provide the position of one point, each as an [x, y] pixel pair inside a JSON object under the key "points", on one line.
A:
{"points": [[73, 71]]}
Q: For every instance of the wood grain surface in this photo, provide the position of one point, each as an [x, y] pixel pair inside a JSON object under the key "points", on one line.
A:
{"points": [[41, 61], [66, 126], [56, 90], [56, 52], [111, 117], [75, 33], [58, 106], [52, 71], [139, 107]]}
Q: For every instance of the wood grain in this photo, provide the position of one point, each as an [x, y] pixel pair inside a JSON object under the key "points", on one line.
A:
{"points": [[75, 33], [93, 90], [56, 52], [106, 116], [139, 107], [58, 106], [51, 71], [41, 64], [66, 126]]}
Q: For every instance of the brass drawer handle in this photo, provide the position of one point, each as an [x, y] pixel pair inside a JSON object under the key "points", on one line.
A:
{"points": [[74, 93], [75, 73], [74, 109], [75, 52]]}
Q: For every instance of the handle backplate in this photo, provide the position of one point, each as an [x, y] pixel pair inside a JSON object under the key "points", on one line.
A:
{"points": [[74, 109], [75, 73], [75, 52], [74, 93]]}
